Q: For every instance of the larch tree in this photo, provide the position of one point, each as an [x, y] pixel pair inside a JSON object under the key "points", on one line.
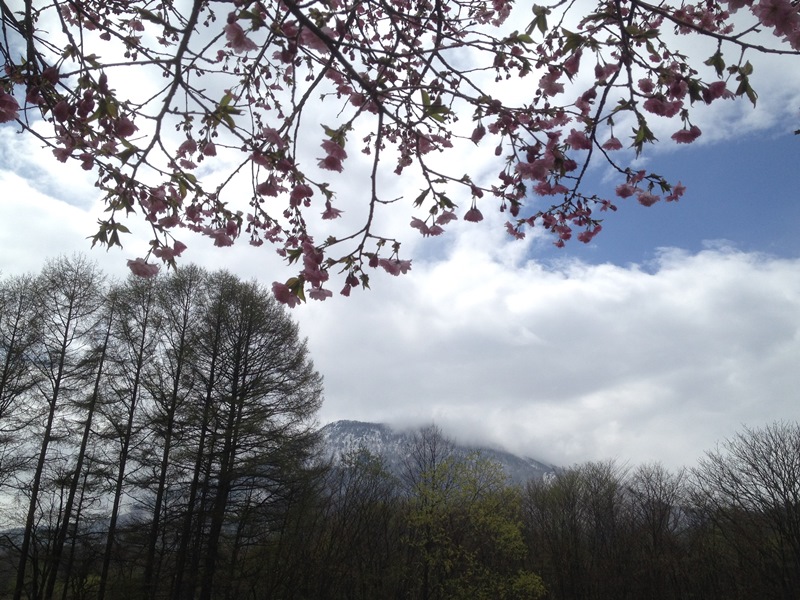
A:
{"points": [[246, 117], [69, 298], [19, 321]]}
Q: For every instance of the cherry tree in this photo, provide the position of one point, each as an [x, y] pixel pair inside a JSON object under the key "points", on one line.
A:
{"points": [[276, 102]]}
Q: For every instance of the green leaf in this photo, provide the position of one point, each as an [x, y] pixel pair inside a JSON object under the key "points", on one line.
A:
{"points": [[572, 42], [540, 19], [438, 115], [421, 198], [642, 136], [717, 62], [126, 154], [745, 89]]}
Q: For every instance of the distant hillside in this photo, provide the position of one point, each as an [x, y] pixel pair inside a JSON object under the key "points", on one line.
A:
{"points": [[342, 437]]}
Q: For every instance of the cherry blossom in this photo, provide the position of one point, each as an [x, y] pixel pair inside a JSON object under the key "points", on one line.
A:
{"points": [[330, 212], [247, 95], [237, 39], [687, 136], [9, 108], [473, 215], [141, 268], [284, 295]]}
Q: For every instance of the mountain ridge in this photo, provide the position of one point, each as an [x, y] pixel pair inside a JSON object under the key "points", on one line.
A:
{"points": [[346, 436]]}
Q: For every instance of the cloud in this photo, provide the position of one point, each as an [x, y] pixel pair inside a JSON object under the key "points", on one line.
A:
{"points": [[570, 364], [563, 361]]}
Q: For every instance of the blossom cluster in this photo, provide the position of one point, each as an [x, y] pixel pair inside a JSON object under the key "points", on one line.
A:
{"points": [[251, 85]]}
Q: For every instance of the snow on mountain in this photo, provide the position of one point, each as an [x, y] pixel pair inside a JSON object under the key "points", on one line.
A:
{"points": [[343, 437]]}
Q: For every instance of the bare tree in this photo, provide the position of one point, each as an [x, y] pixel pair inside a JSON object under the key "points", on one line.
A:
{"points": [[19, 322], [750, 488], [69, 295]]}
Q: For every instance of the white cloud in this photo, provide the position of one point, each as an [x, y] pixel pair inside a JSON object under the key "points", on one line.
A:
{"points": [[568, 363], [580, 363]]}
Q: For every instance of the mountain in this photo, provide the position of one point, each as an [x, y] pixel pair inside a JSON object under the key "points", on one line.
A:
{"points": [[342, 437]]}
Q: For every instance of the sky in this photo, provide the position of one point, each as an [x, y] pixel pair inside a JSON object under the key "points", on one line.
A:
{"points": [[678, 326]]}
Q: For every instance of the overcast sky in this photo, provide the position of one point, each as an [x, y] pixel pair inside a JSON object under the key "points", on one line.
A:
{"points": [[676, 327]]}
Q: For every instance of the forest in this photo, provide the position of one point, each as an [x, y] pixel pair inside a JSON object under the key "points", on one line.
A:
{"points": [[158, 440]]}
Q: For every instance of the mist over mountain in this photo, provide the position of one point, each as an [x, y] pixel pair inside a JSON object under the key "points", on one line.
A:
{"points": [[342, 437]]}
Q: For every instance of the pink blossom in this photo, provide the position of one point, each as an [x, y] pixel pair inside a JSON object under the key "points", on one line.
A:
{"points": [[646, 86], [419, 224], [124, 127], [578, 140], [268, 187], [775, 13], [625, 190], [273, 136], [549, 83], [603, 72], [312, 40], [425, 144], [678, 89], [62, 154], [612, 144], [284, 295], [646, 198], [473, 215], [333, 149], [290, 29], [61, 111], [330, 163], [299, 193], [687, 136], [477, 134], [394, 266], [513, 231], [545, 188], [220, 236], [167, 253], [538, 169], [187, 147], [169, 221], [734, 5], [209, 149], [237, 39], [140, 268], [587, 235], [318, 293], [50, 74], [261, 159], [716, 90], [572, 64], [584, 103], [86, 104], [330, 212], [661, 107], [446, 217], [676, 193]]}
